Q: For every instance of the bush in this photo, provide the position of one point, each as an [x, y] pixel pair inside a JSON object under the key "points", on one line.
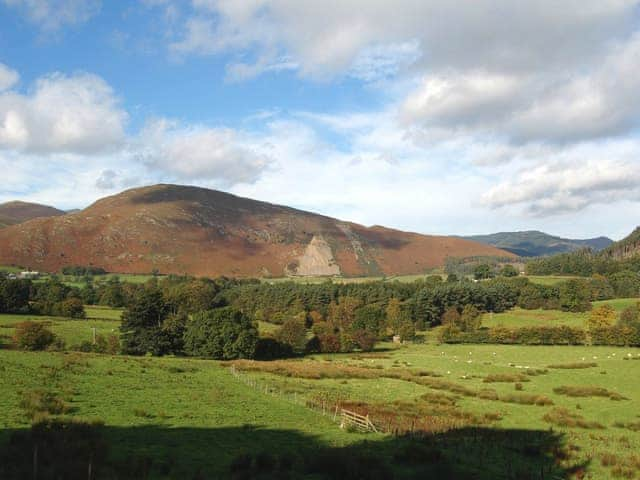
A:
{"points": [[71, 307], [329, 343], [364, 339], [618, 335], [561, 335], [221, 334], [33, 336]]}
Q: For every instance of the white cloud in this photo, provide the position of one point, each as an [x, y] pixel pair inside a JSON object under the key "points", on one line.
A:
{"points": [[200, 153], [51, 15], [326, 38], [78, 113], [572, 179], [8, 77]]}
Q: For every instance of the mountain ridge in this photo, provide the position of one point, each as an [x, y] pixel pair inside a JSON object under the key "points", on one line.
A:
{"points": [[192, 230], [534, 243]]}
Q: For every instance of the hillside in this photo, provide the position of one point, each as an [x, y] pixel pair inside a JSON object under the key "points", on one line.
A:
{"points": [[625, 248], [534, 243], [12, 213], [190, 230]]}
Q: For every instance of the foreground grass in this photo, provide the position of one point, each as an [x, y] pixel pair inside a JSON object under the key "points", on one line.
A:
{"points": [[192, 411], [591, 422]]}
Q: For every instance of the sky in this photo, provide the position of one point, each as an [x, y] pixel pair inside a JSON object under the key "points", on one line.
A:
{"points": [[425, 115]]}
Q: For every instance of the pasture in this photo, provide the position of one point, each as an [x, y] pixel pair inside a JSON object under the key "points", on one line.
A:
{"points": [[509, 411], [519, 317]]}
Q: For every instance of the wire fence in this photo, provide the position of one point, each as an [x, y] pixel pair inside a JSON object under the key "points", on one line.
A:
{"points": [[347, 414]]}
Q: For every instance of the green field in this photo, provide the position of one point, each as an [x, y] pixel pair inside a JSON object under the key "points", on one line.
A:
{"points": [[72, 331], [179, 416], [467, 366], [519, 317], [192, 413], [549, 279]]}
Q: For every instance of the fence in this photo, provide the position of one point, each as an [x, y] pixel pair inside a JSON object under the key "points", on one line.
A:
{"points": [[348, 418]]}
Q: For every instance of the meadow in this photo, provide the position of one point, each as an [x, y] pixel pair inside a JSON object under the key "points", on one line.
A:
{"points": [[462, 411], [519, 317]]}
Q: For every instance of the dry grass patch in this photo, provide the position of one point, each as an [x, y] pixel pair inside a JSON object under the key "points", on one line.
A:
{"points": [[571, 366], [587, 391], [633, 426], [505, 378], [562, 417]]}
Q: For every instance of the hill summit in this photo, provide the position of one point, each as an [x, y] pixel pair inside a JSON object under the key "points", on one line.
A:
{"points": [[12, 213], [197, 231]]}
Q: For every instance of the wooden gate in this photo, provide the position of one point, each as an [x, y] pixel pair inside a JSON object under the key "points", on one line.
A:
{"points": [[360, 422]]}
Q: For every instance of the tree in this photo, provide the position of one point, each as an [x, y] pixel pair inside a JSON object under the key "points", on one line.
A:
{"points": [[370, 318], [482, 271], [451, 317], [33, 336], [508, 270], [625, 283], [222, 334], [575, 296], [173, 329], [113, 295], [630, 317], [601, 317], [407, 331], [364, 339], [452, 278], [393, 315], [470, 319], [71, 307], [141, 328], [293, 333], [14, 295]]}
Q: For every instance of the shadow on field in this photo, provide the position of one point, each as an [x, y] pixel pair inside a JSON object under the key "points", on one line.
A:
{"points": [[54, 449]]}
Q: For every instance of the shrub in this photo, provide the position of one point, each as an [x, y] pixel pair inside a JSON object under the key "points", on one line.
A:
{"points": [[564, 418], [33, 336], [38, 402], [364, 339], [329, 343], [560, 335], [71, 307], [602, 317]]}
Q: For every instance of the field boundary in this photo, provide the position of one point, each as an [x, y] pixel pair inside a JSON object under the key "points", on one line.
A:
{"points": [[346, 418]]}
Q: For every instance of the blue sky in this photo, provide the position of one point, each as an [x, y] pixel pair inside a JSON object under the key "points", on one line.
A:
{"points": [[426, 115]]}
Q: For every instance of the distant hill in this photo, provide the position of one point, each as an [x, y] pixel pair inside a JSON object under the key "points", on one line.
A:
{"points": [[12, 213], [189, 230], [625, 248], [534, 243]]}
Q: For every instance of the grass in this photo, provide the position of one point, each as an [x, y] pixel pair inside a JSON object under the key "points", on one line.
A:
{"points": [[201, 416], [98, 312], [519, 317], [196, 413], [72, 331], [550, 279], [465, 371]]}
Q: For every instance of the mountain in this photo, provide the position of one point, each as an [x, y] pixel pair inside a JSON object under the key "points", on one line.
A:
{"points": [[178, 229], [625, 248], [534, 244], [12, 213]]}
